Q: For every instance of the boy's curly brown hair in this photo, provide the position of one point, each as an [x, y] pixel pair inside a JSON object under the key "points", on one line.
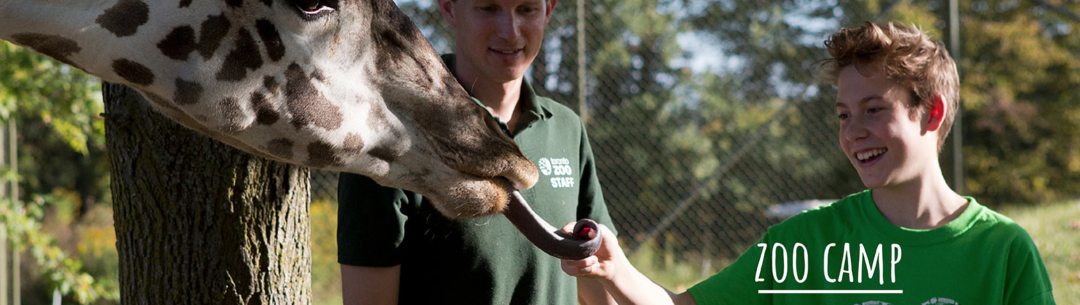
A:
{"points": [[904, 54]]}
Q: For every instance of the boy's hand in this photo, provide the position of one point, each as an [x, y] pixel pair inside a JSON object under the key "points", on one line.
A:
{"points": [[602, 265]]}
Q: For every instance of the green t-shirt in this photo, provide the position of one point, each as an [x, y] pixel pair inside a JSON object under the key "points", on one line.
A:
{"points": [[981, 257], [482, 260]]}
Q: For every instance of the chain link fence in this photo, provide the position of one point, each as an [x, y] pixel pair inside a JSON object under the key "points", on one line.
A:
{"points": [[705, 117]]}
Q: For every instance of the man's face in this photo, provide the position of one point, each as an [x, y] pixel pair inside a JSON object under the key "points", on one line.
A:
{"points": [[886, 144], [497, 39]]}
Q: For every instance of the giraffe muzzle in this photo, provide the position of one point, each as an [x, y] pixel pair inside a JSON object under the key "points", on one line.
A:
{"points": [[551, 240]]}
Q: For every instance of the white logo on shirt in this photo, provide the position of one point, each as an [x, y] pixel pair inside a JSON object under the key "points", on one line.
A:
{"points": [[944, 301], [560, 169], [934, 301], [545, 166]]}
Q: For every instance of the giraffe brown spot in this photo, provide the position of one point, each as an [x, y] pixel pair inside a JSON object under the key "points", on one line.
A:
{"points": [[450, 82], [124, 18], [269, 3], [211, 32], [271, 39], [317, 75], [383, 153], [133, 72], [270, 84], [264, 112], [396, 149], [394, 17], [231, 114], [178, 43], [306, 104], [185, 3], [353, 144], [280, 147], [235, 3], [57, 47], [187, 93], [159, 101], [320, 154], [390, 49], [245, 56]]}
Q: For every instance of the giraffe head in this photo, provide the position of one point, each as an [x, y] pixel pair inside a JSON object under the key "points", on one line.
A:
{"points": [[346, 85]]}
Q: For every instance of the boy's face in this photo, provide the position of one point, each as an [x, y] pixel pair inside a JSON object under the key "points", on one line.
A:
{"points": [[497, 39], [878, 133]]}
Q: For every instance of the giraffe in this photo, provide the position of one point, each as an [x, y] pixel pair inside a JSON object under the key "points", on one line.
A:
{"points": [[343, 85]]}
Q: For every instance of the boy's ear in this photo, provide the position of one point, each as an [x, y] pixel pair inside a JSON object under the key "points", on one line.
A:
{"points": [[936, 114], [446, 7], [550, 8]]}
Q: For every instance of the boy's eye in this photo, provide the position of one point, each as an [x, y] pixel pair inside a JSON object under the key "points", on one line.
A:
{"points": [[842, 116], [874, 110], [489, 8]]}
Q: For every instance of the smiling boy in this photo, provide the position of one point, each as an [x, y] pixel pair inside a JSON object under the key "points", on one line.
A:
{"points": [[908, 239]]}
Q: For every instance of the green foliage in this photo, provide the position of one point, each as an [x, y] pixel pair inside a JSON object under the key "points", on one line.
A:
{"points": [[62, 168], [23, 224], [61, 135], [64, 97], [325, 270], [1019, 73]]}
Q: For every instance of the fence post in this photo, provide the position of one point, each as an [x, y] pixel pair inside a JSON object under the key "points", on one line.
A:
{"points": [[4, 274], [958, 120], [3, 265], [583, 110], [16, 282]]}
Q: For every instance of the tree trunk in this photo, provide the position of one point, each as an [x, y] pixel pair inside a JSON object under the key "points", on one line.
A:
{"points": [[199, 222]]}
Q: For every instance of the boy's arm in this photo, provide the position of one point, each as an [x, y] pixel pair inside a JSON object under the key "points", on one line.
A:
{"points": [[370, 263], [592, 292], [625, 283], [370, 285]]}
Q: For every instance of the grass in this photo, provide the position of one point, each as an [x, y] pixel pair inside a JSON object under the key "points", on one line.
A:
{"points": [[675, 272], [1055, 228]]}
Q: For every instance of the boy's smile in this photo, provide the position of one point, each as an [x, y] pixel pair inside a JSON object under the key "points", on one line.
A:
{"points": [[881, 136], [868, 156]]}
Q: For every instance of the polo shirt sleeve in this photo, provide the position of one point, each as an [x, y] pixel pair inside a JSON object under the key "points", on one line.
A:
{"points": [[736, 284], [371, 225], [591, 200]]}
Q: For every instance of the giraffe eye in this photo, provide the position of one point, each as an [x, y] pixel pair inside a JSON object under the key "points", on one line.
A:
{"points": [[308, 6], [314, 8]]}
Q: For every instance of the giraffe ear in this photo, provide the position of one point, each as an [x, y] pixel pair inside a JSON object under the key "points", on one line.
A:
{"points": [[447, 9]]}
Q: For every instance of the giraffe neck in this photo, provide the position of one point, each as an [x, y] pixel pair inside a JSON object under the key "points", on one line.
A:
{"points": [[354, 87], [111, 39]]}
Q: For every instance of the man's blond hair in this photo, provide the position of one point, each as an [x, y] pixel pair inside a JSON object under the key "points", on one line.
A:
{"points": [[904, 54]]}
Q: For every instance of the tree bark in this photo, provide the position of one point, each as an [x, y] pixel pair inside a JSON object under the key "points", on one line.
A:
{"points": [[199, 222]]}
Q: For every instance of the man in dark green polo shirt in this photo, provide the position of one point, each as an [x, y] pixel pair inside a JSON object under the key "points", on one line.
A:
{"points": [[395, 248]]}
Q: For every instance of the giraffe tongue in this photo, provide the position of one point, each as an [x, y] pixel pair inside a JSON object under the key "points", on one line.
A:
{"points": [[553, 241]]}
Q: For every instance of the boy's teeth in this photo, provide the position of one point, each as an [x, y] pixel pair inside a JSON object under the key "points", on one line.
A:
{"points": [[869, 154]]}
